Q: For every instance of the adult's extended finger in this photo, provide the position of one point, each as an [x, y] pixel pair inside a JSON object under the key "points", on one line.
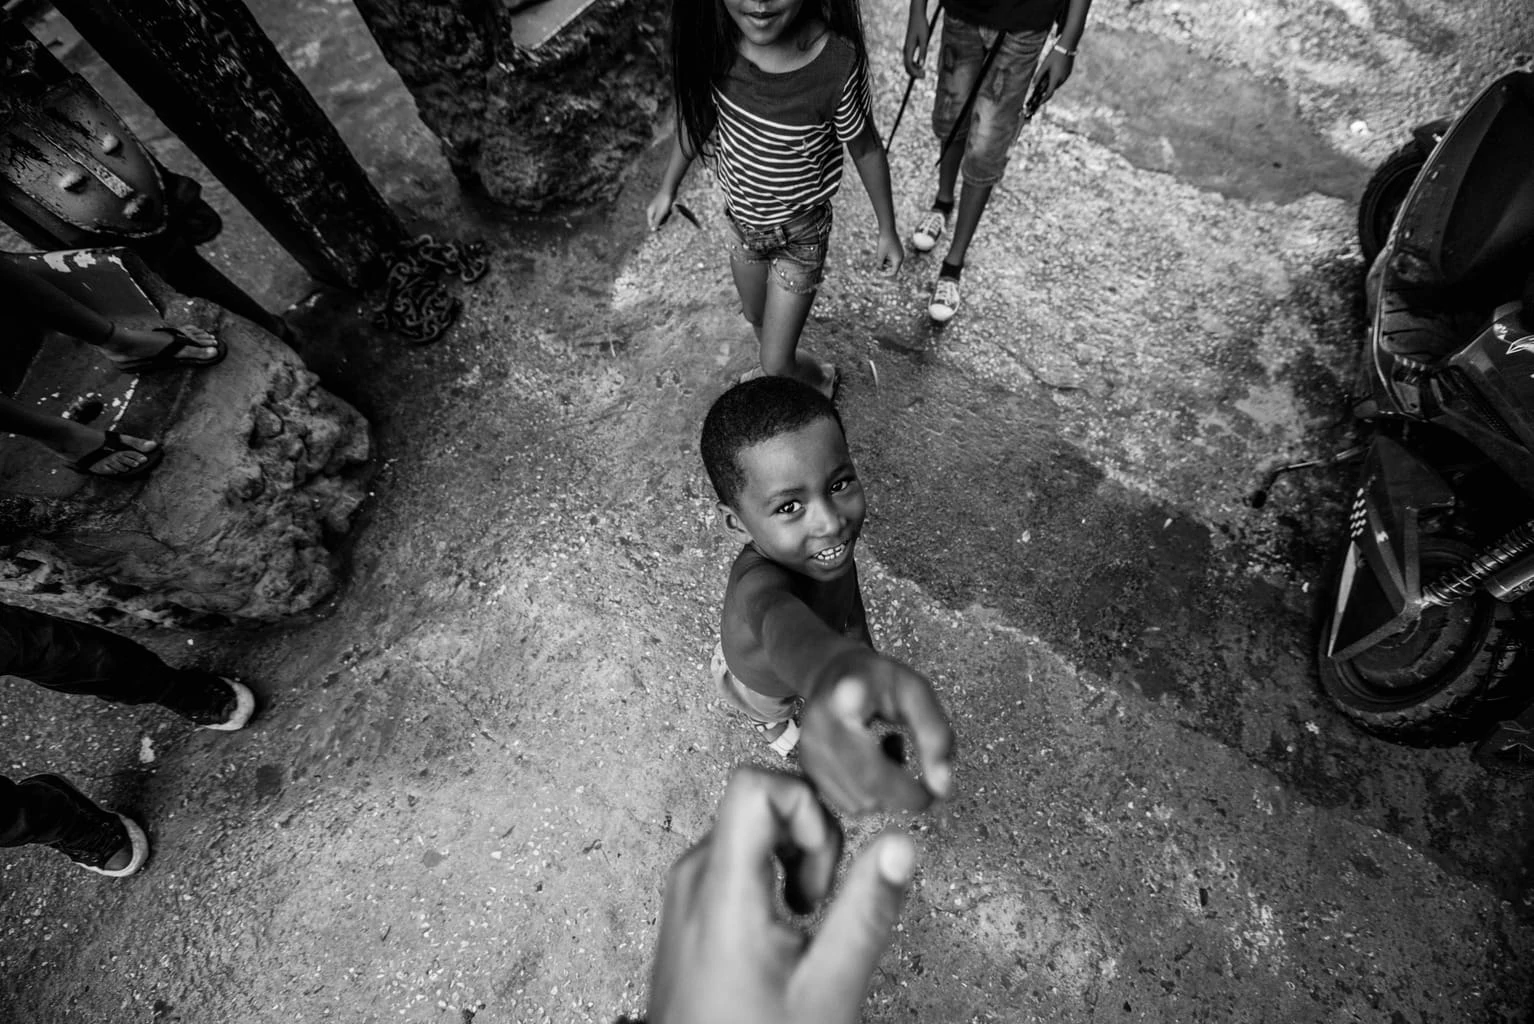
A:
{"points": [[920, 712], [832, 977], [760, 814]]}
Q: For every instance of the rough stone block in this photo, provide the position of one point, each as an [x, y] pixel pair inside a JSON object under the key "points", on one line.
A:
{"points": [[263, 471]]}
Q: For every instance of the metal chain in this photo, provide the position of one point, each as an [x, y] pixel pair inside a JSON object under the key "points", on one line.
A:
{"points": [[416, 304]]}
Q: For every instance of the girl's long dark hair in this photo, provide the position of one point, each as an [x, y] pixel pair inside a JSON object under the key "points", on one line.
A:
{"points": [[703, 45]]}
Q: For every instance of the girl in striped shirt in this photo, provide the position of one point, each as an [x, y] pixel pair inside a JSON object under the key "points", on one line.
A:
{"points": [[767, 92]]}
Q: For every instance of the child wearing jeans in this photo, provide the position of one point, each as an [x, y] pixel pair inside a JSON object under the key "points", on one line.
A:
{"points": [[1016, 30], [793, 625], [768, 92]]}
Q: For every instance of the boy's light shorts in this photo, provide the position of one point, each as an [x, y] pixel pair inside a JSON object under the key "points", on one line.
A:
{"points": [[997, 117], [794, 251], [759, 707]]}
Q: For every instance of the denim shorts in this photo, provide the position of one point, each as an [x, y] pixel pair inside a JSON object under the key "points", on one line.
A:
{"points": [[997, 116], [794, 251]]}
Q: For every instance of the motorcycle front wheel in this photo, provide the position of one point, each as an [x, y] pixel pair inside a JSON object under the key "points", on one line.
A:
{"points": [[1383, 195], [1442, 681]]}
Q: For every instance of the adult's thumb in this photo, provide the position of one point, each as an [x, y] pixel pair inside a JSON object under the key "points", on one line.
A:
{"points": [[833, 974]]}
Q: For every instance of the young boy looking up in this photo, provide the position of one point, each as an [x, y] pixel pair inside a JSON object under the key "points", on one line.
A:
{"points": [[793, 626]]}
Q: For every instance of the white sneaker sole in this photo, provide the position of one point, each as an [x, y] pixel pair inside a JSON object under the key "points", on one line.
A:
{"points": [[139, 843], [941, 314], [244, 708], [923, 243]]}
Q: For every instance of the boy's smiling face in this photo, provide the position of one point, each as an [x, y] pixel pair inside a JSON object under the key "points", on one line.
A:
{"points": [[802, 505]]}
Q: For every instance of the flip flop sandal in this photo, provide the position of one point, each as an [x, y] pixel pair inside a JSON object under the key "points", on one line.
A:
{"points": [[787, 740], [165, 359], [111, 446]]}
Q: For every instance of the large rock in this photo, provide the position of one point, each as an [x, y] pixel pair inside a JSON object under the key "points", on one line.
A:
{"points": [[262, 473], [532, 127]]}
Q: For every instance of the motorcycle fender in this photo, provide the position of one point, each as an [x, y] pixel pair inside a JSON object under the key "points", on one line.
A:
{"points": [[1426, 136], [1380, 589]]}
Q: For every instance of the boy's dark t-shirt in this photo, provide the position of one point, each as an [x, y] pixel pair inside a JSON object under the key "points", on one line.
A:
{"points": [[1005, 15], [838, 604]]}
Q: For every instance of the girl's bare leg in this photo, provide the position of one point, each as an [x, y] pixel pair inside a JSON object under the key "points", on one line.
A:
{"points": [[782, 324], [751, 285]]}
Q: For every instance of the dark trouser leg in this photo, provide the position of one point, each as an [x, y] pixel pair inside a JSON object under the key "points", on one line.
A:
{"points": [[72, 657], [33, 814]]}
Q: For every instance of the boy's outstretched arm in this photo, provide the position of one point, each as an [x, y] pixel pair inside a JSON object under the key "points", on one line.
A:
{"points": [[846, 688], [1056, 65], [659, 210], [868, 154]]}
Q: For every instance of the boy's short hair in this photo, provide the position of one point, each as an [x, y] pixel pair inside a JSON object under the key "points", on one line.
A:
{"points": [[749, 413]]}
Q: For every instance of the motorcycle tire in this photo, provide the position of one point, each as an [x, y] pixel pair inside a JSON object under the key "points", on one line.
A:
{"points": [[1383, 195], [1442, 682]]}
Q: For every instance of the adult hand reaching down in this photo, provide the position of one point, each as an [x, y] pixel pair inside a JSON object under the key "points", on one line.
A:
{"points": [[724, 954]]}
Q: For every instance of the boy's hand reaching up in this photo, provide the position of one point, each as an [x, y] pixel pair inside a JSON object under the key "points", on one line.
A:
{"points": [[850, 763]]}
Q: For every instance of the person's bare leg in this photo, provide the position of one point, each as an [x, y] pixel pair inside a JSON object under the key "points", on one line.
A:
{"points": [[68, 439], [751, 286], [55, 309], [948, 170], [972, 201], [782, 324]]}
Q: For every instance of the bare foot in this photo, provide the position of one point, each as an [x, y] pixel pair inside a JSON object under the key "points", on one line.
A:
{"points": [[135, 343], [818, 375], [83, 440]]}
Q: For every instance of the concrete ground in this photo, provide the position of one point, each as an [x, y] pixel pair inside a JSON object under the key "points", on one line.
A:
{"points": [[473, 767]]}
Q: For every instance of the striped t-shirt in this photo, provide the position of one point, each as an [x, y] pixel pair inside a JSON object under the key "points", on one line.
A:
{"points": [[778, 144]]}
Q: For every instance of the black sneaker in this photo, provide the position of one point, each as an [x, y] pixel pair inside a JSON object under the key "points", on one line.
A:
{"points": [[108, 844], [214, 702]]}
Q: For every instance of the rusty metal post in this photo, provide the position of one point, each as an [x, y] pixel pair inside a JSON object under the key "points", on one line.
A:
{"points": [[214, 78]]}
